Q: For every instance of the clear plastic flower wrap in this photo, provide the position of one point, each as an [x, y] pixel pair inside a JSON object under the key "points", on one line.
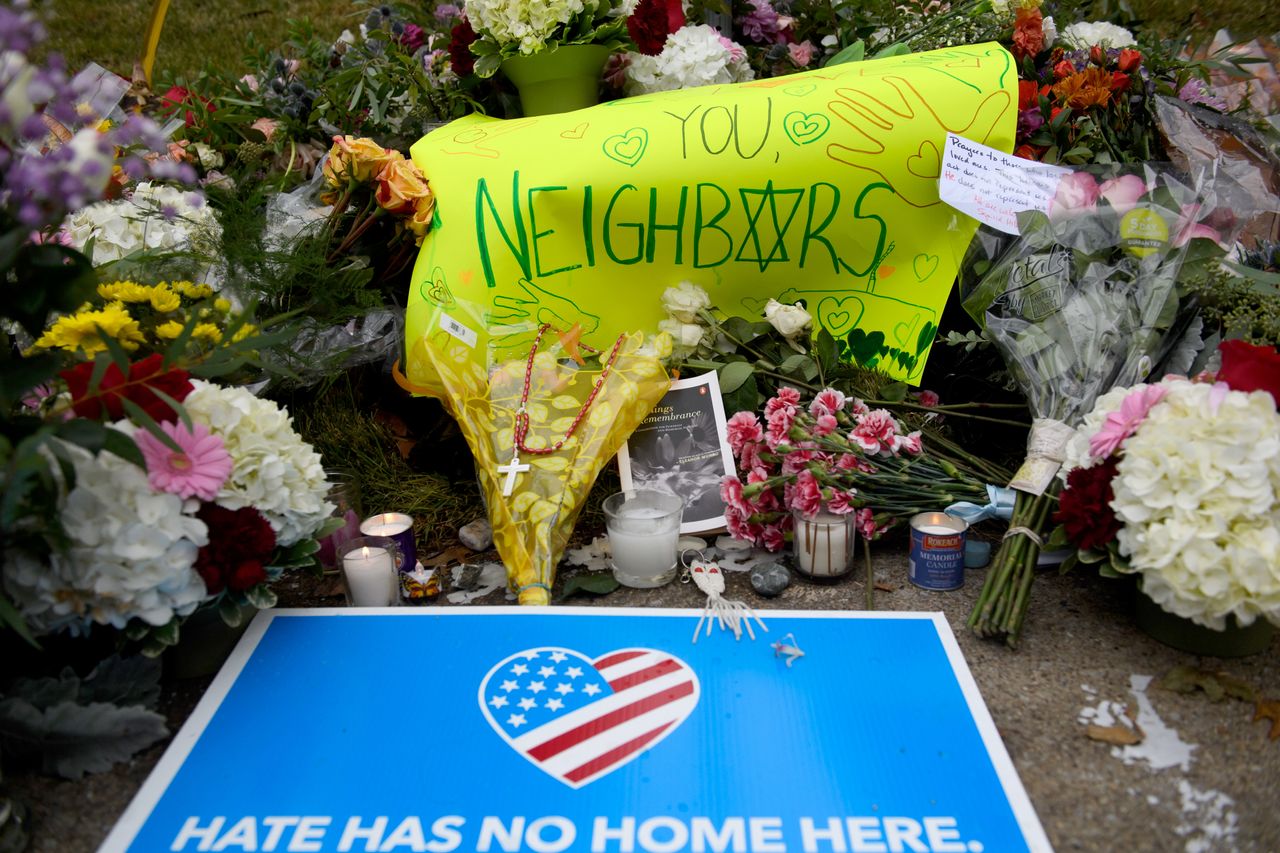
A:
{"points": [[540, 423], [1093, 295]]}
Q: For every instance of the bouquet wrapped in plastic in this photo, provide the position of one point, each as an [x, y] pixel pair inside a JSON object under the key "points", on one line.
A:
{"points": [[542, 421], [1093, 295]]}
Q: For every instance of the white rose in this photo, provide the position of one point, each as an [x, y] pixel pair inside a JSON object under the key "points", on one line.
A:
{"points": [[209, 157], [791, 321], [683, 334], [684, 301]]}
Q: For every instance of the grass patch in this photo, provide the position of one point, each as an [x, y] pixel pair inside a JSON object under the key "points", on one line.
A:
{"points": [[364, 453], [197, 33]]}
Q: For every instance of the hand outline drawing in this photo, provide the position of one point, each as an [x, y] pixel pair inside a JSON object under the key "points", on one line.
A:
{"points": [[544, 307], [872, 120]]}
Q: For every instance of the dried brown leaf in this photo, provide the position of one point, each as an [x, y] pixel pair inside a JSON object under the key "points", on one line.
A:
{"points": [[449, 556], [1115, 735], [1216, 685], [1268, 709]]}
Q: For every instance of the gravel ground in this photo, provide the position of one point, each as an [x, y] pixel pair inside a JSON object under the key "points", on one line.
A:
{"points": [[1080, 649]]}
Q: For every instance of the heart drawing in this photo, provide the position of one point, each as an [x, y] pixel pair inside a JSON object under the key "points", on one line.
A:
{"points": [[579, 719], [924, 265], [575, 133], [804, 128], [839, 316], [627, 148]]}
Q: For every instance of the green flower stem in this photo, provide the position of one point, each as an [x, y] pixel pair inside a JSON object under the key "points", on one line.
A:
{"points": [[956, 414], [871, 576]]}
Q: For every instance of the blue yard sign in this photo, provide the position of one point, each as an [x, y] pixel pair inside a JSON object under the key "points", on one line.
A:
{"points": [[504, 730]]}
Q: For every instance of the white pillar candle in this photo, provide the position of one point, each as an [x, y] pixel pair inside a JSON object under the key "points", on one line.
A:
{"points": [[371, 577], [823, 544]]}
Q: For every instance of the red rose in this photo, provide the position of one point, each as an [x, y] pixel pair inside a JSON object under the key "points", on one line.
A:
{"points": [[1129, 60], [1097, 55], [1028, 152], [1084, 507], [177, 97], [1247, 367], [1119, 81], [1063, 70], [145, 378], [651, 23], [460, 55]]}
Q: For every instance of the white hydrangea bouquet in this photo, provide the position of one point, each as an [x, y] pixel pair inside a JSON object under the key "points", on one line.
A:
{"points": [[692, 56], [204, 507], [155, 218], [1179, 482], [508, 28]]}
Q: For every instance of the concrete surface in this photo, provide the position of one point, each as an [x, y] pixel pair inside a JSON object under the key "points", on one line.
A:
{"points": [[1080, 650]]}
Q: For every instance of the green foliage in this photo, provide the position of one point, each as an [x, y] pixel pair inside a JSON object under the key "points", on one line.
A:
{"points": [[71, 726], [1241, 302]]}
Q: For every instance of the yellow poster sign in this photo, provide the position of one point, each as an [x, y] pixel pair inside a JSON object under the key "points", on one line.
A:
{"points": [[821, 187]]}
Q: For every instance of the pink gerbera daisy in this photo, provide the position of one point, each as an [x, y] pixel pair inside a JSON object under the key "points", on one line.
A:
{"points": [[1121, 424], [197, 470]]}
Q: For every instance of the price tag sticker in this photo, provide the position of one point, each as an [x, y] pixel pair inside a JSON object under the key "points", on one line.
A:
{"points": [[459, 331]]}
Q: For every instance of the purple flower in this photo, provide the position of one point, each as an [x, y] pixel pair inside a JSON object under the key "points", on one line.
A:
{"points": [[447, 12], [761, 23], [1195, 92]]}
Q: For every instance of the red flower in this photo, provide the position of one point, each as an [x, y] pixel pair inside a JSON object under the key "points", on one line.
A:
{"points": [[1097, 55], [1246, 367], [1119, 81], [651, 23], [412, 38], [1028, 152], [460, 56], [240, 542], [177, 96], [1028, 95], [1129, 60], [1028, 33], [145, 378], [1063, 70], [1084, 508]]}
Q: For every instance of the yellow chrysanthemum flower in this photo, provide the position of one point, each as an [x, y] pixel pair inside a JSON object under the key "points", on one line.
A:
{"points": [[80, 330], [244, 331], [124, 291], [169, 330], [207, 332], [223, 305], [193, 291], [165, 300]]}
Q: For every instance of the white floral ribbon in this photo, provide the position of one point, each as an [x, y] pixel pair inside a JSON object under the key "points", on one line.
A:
{"points": [[1046, 448]]}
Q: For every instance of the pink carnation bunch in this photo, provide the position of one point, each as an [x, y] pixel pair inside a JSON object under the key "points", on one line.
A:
{"points": [[834, 455]]}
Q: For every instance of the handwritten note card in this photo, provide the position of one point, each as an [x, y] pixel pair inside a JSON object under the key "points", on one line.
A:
{"points": [[992, 186]]}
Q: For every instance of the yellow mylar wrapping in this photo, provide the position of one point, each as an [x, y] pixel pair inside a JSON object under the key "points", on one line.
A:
{"points": [[531, 527], [820, 186]]}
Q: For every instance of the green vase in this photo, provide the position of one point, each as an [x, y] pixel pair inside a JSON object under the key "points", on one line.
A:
{"points": [[1183, 634], [560, 80]]}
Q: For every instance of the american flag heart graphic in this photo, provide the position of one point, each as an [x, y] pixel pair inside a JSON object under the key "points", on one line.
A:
{"points": [[579, 719]]}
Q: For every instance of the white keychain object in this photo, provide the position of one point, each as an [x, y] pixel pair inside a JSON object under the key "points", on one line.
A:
{"points": [[735, 615]]}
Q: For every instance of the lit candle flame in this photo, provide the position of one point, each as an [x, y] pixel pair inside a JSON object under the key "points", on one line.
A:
{"points": [[364, 552]]}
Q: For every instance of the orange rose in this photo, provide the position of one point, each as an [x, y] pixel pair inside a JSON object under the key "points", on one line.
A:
{"points": [[400, 185], [355, 160], [423, 212]]}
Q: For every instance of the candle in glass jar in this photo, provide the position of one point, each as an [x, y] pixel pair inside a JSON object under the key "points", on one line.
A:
{"points": [[643, 529], [371, 577], [823, 545], [397, 526]]}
